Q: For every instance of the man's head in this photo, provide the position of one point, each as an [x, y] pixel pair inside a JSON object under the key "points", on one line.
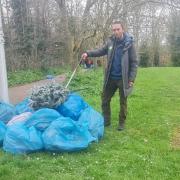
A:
{"points": [[118, 29]]}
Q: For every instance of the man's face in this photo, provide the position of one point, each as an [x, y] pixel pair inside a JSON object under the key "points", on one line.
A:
{"points": [[117, 30]]}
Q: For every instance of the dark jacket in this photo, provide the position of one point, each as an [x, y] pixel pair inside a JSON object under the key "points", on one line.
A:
{"points": [[129, 62]]}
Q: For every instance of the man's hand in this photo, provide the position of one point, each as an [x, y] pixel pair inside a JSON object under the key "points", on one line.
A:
{"points": [[131, 83], [84, 56]]}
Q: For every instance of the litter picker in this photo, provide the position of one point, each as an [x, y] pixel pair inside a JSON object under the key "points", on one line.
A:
{"points": [[73, 73]]}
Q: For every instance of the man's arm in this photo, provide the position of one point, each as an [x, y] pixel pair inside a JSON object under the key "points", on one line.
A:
{"points": [[98, 52], [133, 64]]}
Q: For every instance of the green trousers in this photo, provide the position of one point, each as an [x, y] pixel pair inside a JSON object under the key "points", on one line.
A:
{"points": [[107, 94]]}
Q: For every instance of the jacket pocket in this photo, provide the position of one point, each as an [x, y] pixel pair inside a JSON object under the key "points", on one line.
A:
{"points": [[129, 90]]}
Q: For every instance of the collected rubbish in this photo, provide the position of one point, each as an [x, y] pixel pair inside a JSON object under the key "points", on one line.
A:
{"points": [[19, 118], [70, 126], [7, 111], [64, 135], [42, 118], [20, 139], [24, 106], [48, 96], [92, 120], [72, 107], [2, 132]]}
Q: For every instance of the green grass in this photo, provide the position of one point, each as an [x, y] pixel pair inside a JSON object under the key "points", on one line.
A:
{"points": [[142, 151], [28, 76]]}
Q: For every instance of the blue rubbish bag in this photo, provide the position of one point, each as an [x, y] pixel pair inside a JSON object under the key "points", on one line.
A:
{"points": [[19, 139], [42, 118], [92, 120], [7, 111], [63, 135], [23, 106], [72, 107], [2, 132]]}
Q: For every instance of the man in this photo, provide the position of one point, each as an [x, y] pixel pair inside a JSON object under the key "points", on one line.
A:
{"points": [[120, 72]]}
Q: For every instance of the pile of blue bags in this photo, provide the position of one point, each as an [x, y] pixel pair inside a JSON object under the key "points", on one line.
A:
{"points": [[72, 126]]}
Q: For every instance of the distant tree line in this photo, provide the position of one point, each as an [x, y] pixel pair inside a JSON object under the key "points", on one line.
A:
{"points": [[47, 33]]}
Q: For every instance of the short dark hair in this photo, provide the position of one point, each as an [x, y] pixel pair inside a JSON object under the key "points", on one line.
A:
{"points": [[118, 22]]}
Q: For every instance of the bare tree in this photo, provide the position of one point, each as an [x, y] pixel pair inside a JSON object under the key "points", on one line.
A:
{"points": [[48, 33]]}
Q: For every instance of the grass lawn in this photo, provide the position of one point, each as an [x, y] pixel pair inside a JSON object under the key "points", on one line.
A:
{"points": [[145, 150]]}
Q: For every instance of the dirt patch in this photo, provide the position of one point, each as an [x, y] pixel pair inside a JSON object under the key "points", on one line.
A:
{"points": [[175, 143]]}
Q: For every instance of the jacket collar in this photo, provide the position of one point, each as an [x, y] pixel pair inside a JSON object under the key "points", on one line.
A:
{"points": [[128, 40]]}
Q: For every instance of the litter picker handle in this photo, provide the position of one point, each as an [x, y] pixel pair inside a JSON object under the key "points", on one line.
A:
{"points": [[73, 73]]}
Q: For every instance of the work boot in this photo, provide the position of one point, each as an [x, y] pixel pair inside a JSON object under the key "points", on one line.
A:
{"points": [[121, 125]]}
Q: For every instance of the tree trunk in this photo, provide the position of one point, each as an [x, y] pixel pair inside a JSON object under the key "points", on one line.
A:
{"points": [[66, 35]]}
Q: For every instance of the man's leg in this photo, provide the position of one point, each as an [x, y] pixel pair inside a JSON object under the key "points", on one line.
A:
{"points": [[107, 94], [123, 106]]}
